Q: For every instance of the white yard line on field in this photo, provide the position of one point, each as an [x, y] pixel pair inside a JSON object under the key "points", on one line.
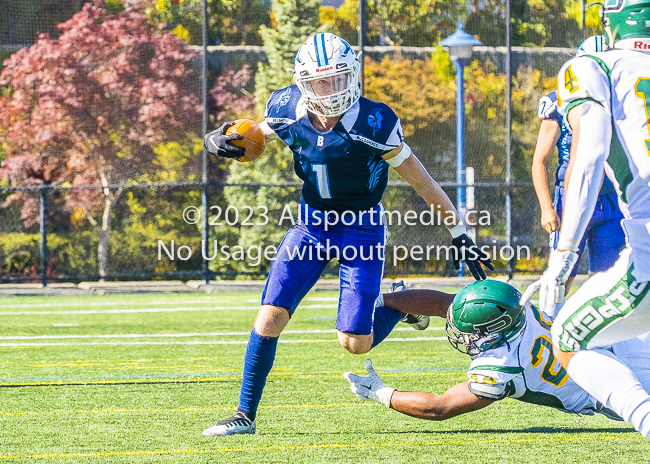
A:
{"points": [[151, 310], [207, 342], [176, 335], [103, 303]]}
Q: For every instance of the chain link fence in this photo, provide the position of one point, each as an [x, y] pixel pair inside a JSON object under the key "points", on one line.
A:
{"points": [[107, 179]]}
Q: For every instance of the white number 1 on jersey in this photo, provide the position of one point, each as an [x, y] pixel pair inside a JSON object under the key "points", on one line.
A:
{"points": [[321, 180]]}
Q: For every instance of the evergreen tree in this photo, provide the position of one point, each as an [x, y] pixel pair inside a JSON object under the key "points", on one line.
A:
{"points": [[293, 22]]}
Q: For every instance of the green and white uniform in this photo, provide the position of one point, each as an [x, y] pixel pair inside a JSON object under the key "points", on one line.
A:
{"points": [[526, 370], [612, 91]]}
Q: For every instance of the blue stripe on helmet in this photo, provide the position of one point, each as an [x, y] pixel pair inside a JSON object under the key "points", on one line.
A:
{"points": [[317, 52], [322, 40]]}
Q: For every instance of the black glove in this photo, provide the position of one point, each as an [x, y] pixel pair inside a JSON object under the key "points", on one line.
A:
{"points": [[467, 250], [216, 142]]}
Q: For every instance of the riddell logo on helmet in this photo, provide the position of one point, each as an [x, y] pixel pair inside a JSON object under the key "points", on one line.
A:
{"points": [[326, 68], [638, 45]]}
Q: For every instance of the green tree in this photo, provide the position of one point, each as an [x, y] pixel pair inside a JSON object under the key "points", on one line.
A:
{"points": [[551, 23], [293, 22], [230, 22], [397, 22]]}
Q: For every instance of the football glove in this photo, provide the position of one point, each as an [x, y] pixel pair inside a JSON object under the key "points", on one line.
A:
{"points": [[466, 249], [371, 387], [552, 284], [216, 142]]}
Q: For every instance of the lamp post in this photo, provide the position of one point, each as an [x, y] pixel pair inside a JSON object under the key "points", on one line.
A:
{"points": [[460, 45]]}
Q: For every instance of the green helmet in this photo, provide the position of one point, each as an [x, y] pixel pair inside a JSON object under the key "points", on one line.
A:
{"points": [[626, 19], [484, 315]]}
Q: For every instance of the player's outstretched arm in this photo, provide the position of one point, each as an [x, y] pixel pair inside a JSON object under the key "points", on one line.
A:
{"points": [[422, 302], [549, 133], [455, 401], [411, 169]]}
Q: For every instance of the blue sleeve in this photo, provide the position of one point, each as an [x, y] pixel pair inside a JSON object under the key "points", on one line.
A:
{"points": [[281, 108], [548, 108], [378, 127]]}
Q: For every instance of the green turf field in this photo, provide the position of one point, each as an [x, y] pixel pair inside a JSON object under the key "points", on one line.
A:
{"points": [[136, 378]]}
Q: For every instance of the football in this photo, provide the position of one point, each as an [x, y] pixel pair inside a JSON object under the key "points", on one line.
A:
{"points": [[254, 139]]}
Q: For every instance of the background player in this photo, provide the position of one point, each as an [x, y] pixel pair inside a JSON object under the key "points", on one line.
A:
{"points": [[604, 237], [342, 146], [605, 98], [511, 353]]}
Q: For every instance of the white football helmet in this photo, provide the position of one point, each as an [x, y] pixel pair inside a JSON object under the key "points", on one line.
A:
{"points": [[595, 43], [327, 74]]}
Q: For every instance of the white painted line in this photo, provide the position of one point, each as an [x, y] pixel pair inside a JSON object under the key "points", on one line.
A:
{"points": [[105, 303], [65, 324], [198, 342], [323, 298], [177, 335], [150, 310]]}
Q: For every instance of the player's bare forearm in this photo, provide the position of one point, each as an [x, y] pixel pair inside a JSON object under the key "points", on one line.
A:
{"points": [[422, 302], [549, 133], [455, 401], [413, 172], [269, 133]]}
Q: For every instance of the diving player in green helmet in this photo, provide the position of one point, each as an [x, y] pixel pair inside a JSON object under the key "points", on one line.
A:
{"points": [[511, 356]]}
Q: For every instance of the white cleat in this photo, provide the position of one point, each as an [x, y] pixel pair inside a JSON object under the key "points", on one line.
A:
{"points": [[237, 424], [414, 320]]}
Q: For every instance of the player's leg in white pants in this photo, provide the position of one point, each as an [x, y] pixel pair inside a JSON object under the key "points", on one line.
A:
{"points": [[609, 308]]}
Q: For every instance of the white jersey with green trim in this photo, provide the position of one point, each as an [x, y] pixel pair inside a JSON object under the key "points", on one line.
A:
{"points": [[533, 373], [619, 81]]}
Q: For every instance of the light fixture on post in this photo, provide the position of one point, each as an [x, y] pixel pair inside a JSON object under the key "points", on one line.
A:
{"points": [[460, 46]]}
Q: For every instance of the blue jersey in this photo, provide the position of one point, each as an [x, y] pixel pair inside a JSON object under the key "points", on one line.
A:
{"points": [[548, 110], [342, 169]]}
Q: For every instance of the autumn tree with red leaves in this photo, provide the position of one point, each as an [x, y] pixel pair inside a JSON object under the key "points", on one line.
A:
{"points": [[89, 107]]}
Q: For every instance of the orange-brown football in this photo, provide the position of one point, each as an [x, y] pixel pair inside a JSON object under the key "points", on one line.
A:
{"points": [[253, 141]]}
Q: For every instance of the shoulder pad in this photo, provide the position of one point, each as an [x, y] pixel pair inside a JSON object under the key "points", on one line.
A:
{"points": [[548, 107], [582, 79], [376, 125], [500, 364], [489, 391], [283, 107]]}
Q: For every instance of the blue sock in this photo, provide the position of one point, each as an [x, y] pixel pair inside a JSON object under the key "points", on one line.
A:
{"points": [[260, 354], [385, 319]]}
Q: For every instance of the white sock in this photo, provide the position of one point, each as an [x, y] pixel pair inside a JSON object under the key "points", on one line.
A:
{"points": [[613, 384]]}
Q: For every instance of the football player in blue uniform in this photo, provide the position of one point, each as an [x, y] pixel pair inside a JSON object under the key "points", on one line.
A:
{"points": [[343, 145], [604, 237]]}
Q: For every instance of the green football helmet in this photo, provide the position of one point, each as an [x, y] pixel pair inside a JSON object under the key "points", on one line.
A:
{"points": [[626, 19], [484, 315]]}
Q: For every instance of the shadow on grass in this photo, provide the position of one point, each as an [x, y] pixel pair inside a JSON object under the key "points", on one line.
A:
{"points": [[535, 430], [527, 430]]}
